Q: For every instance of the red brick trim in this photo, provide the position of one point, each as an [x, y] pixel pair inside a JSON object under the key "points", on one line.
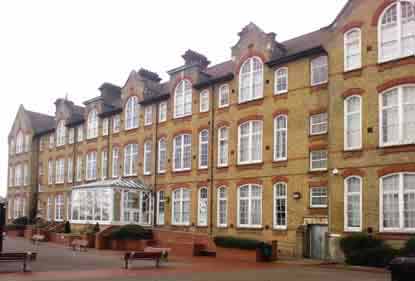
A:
{"points": [[396, 63], [319, 87], [317, 110], [179, 185], [251, 103], [250, 118], [116, 145], [202, 184], [130, 142], [181, 132], [248, 181], [222, 184], [317, 146], [204, 127], [280, 112], [396, 169], [397, 149], [353, 172], [277, 179], [182, 173], [250, 166], [353, 92], [395, 82], [351, 25], [162, 136], [251, 53], [380, 10], [161, 187], [222, 123], [323, 183], [91, 150]]}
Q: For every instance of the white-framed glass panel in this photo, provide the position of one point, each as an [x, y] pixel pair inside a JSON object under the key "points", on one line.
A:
{"points": [[319, 71], [397, 203], [60, 171], [223, 146], [318, 197], [396, 35], [318, 160], [69, 175], [162, 156], [183, 99], [250, 206], [222, 207], [27, 143], [104, 164], [130, 159], [181, 206], [68, 206], [250, 142], [352, 49], [115, 162], [79, 167], [50, 172], [90, 206], [132, 110], [281, 81], [202, 212], [59, 207], [91, 166], [397, 116], [182, 152], [319, 124], [204, 101], [162, 112], [224, 99], [92, 125], [161, 207], [280, 205], [353, 204], [147, 158], [80, 133], [49, 209], [131, 207], [18, 173], [71, 135], [280, 137], [116, 124], [148, 115], [251, 80], [51, 142], [203, 149], [61, 133], [19, 142], [105, 126], [353, 123], [25, 174]]}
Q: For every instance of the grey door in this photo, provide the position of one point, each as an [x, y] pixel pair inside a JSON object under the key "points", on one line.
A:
{"points": [[318, 241]]}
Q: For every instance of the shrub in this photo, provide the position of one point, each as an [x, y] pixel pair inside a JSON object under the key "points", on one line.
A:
{"points": [[15, 227], [236, 243], [21, 221], [131, 232], [375, 257], [357, 242], [67, 228], [96, 228], [409, 248]]}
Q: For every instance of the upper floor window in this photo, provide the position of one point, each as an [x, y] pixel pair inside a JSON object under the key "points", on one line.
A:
{"points": [[223, 146], [61, 133], [115, 162], [397, 202], [12, 147], [353, 203], [104, 164], [60, 171], [69, 175], [319, 124], [50, 172], [27, 143], [251, 80], [223, 96], [18, 174], [91, 166], [280, 137], [105, 128], [92, 125], [182, 152], [116, 124], [319, 71], [11, 179], [71, 136], [222, 207], [396, 31], [318, 160], [181, 207], [183, 99], [79, 164], [147, 158], [318, 197], [19, 142], [250, 206], [281, 80], [25, 174], [162, 155], [80, 133], [203, 149], [51, 141], [202, 212], [204, 101], [132, 113], [352, 49], [280, 205], [162, 112], [353, 123], [130, 159], [397, 116], [148, 115], [250, 142]]}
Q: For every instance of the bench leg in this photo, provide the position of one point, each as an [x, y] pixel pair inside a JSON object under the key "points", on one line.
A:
{"points": [[126, 264], [157, 262]]}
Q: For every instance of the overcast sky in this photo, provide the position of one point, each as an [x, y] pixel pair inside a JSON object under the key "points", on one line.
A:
{"points": [[52, 48]]}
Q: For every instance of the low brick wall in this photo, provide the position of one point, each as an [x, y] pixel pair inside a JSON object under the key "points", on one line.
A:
{"points": [[128, 245], [236, 254], [15, 233]]}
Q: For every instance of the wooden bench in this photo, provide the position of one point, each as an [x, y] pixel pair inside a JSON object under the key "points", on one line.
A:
{"points": [[38, 238], [79, 244], [164, 251], [128, 257], [26, 258]]}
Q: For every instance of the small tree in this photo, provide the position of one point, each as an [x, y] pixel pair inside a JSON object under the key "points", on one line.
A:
{"points": [[67, 228]]}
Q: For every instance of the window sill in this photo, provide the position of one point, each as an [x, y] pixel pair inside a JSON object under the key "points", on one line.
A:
{"points": [[187, 116], [352, 153], [318, 207], [255, 228], [249, 166], [396, 148], [356, 72], [385, 65], [325, 134], [254, 102], [318, 171], [319, 87]]}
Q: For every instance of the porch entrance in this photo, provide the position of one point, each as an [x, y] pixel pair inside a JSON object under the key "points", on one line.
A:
{"points": [[317, 241]]}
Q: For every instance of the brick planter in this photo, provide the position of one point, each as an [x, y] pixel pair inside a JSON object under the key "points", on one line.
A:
{"points": [[236, 254], [28, 232], [16, 233]]}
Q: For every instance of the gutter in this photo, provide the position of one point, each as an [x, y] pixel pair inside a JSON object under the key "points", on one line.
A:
{"points": [[286, 59]]}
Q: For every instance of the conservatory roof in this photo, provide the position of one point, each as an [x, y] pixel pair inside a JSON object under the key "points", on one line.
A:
{"points": [[122, 183]]}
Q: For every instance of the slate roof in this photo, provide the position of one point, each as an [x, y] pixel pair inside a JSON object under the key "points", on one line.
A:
{"points": [[41, 123], [120, 182]]}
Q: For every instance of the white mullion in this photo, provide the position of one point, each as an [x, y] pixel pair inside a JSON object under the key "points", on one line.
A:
{"points": [[401, 202]]}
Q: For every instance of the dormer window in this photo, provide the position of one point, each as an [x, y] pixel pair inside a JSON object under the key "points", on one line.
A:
{"points": [[319, 71], [131, 113], [183, 99], [92, 126], [204, 101], [60, 133], [19, 142], [281, 81], [251, 80]]}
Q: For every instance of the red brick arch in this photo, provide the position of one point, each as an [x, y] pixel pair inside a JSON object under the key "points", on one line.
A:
{"points": [[396, 169], [353, 172], [277, 179], [395, 82], [351, 25], [383, 5], [353, 92]]}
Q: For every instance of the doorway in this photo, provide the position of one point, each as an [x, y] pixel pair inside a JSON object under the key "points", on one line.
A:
{"points": [[317, 241]]}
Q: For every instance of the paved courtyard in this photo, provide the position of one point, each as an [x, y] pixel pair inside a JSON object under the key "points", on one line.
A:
{"points": [[56, 262]]}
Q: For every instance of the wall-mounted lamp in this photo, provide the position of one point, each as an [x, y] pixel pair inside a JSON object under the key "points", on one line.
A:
{"points": [[335, 172], [296, 195]]}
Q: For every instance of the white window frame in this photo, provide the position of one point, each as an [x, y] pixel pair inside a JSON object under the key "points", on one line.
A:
{"points": [[279, 155], [105, 126], [321, 159], [204, 101], [162, 156], [148, 115], [161, 201], [115, 172], [250, 143], [61, 134], [104, 164], [225, 201], [69, 176], [51, 141], [201, 149], [318, 206], [80, 133], [320, 65], [181, 200], [250, 76], [346, 123], [50, 171], [202, 221], [223, 146], [250, 198], [184, 88], [314, 124], [60, 171], [131, 156], [162, 112], [27, 143], [79, 167], [19, 142], [92, 125], [71, 135], [116, 124], [182, 149], [347, 193], [279, 197], [59, 208], [281, 73], [25, 174], [132, 113], [91, 166], [224, 90], [147, 167], [347, 54], [49, 209], [18, 173]]}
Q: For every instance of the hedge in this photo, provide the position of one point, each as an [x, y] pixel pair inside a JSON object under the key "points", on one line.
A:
{"points": [[409, 248], [236, 243], [131, 232], [15, 227]]}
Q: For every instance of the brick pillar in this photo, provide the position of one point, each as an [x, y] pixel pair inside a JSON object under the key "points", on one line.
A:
{"points": [[300, 248]]}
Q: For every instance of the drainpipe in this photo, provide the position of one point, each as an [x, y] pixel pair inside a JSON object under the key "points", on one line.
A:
{"points": [[212, 164], [155, 165]]}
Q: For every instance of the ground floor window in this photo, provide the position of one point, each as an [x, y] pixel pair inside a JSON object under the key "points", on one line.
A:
{"points": [[181, 207], [49, 209], [161, 201], [59, 207], [353, 203], [250, 206], [92, 205], [280, 205], [19, 207], [136, 207], [222, 207], [202, 218]]}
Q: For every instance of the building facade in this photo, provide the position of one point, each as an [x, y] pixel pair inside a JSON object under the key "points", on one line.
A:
{"points": [[302, 141]]}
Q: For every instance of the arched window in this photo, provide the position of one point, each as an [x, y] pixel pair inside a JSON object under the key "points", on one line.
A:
{"points": [[223, 146], [60, 133], [115, 162], [280, 137], [352, 49], [396, 31], [130, 159], [397, 202], [223, 96], [91, 166], [203, 149], [204, 101], [132, 109], [353, 123], [147, 158], [250, 142], [353, 203], [280, 205], [281, 80], [182, 152], [92, 125], [397, 116], [181, 207], [161, 207], [319, 71], [251, 80], [183, 99], [162, 157], [19, 142], [222, 207], [250, 206], [202, 212]]}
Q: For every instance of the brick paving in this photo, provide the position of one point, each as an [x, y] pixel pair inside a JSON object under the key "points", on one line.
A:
{"points": [[56, 262]]}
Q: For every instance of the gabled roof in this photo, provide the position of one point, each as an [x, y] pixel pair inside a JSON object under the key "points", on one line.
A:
{"points": [[120, 182], [41, 123]]}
